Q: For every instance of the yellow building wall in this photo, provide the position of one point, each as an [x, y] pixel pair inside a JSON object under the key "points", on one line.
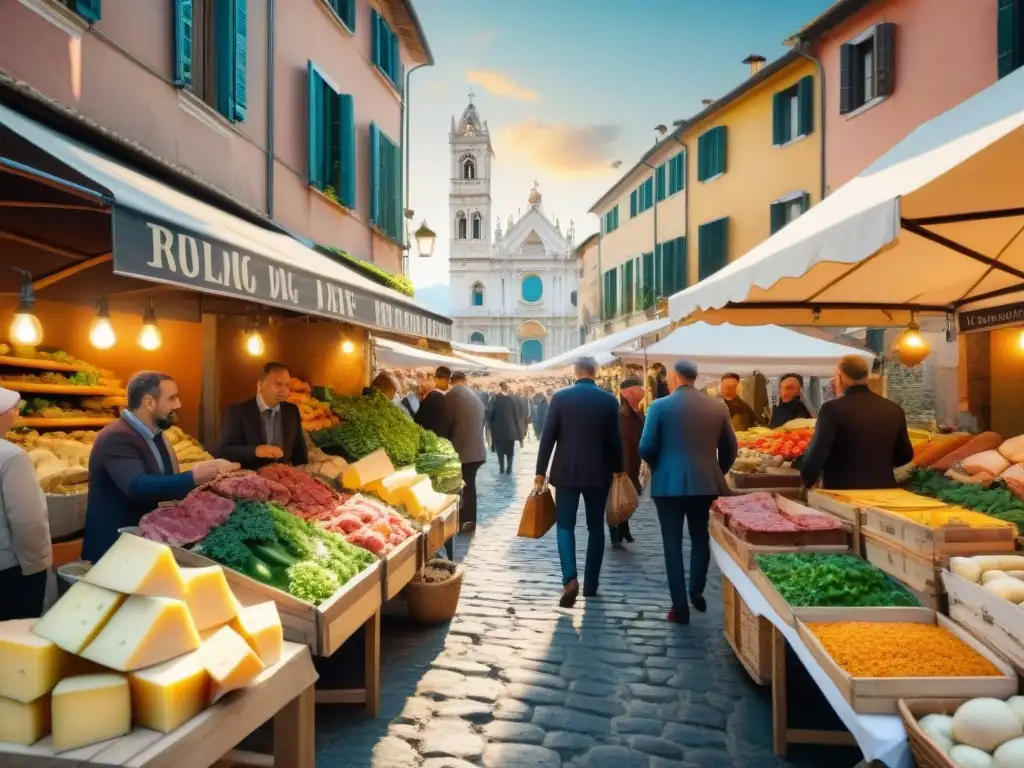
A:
{"points": [[757, 173]]}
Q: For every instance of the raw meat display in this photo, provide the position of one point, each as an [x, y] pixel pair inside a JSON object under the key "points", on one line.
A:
{"points": [[310, 499], [757, 519], [189, 521], [368, 524], [245, 485]]}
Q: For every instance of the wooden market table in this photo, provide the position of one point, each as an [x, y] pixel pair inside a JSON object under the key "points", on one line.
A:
{"points": [[283, 693]]}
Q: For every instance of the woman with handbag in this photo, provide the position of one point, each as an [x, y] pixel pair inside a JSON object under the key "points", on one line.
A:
{"points": [[631, 426]]}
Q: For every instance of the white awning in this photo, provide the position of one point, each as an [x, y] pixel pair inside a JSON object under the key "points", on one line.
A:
{"points": [[600, 349], [931, 225], [481, 349], [719, 349], [166, 236], [493, 366], [393, 354]]}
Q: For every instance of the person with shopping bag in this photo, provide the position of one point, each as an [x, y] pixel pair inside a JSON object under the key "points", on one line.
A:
{"points": [[689, 442], [631, 426], [582, 430]]}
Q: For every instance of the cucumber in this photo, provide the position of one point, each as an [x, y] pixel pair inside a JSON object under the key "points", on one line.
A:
{"points": [[273, 555], [259, 570]]}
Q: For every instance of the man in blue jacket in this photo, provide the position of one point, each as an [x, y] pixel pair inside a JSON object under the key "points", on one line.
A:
{"points": [[583, 422], [132, 467], [689, 443]]}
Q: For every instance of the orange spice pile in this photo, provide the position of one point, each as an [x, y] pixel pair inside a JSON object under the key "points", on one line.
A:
{"points": [[876, 649]]}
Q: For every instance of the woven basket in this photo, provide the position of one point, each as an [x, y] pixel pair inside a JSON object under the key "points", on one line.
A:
{"points": [[432, 603], [926, 753], [756, 643]]}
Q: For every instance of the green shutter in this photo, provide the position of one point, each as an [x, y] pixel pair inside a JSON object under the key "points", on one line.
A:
{"points": [[659, 252], [314, 126], [615, 292], [712, 247], [1008, 37], [805, 105], [183, 43], [846, 77], [662, 187], [780, 116], [374, 175], [347, 146], [638, 270], [632, 204], [627, 287], [347, 11], [241, 61], [805, 202], [680, 268], [885, 59], [648, 292], [668, 259], [721, 151], [376, 36], [88, 10], [777, 216], [702, 157], [231, 58]]}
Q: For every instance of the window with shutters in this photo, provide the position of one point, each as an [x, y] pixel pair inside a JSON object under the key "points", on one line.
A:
{"points": [[386, 50], [345, 10], [610, 221], [331, 143], [90, 10], [211, 53], [611, 293], [648, 294], [644, 196], [661, 183], [793, 112], [628, 287], [711, 153], [712, 247], [788, 209], [1009, 35], [866, 68], [386, 212], [670, 262], [677, 173], [632, 203]]}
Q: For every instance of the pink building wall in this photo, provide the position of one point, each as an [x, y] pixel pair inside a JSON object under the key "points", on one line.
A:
{"points": [[945, 52], [120, 75]]}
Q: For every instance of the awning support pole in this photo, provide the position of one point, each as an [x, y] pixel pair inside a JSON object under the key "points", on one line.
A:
{"points": [[42, 245], [952, 245], [74, 269], [52, 206], [960, 218], [28, 172]]}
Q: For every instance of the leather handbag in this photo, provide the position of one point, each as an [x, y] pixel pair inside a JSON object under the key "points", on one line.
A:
{"points": [[538, 513], [622, 500]]}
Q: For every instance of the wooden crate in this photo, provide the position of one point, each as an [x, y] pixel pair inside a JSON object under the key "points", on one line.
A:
{"points": [[729, 608], [919, 573], [936, 543], [879, 696], [400, 566], [441, 528], [755, 644], [822, 502], [997, 622], [744, 553]]}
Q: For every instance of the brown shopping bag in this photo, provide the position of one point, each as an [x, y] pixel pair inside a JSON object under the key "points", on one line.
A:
{"points": [[645, 475], [538, 513], [622, 500]]}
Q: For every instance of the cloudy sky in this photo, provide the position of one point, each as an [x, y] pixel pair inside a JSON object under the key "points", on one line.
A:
{"points": [[570, 87]]}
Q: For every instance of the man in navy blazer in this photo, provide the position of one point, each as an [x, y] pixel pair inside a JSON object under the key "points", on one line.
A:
{"points": [[132, 467], [689, 443], [583, 422]]}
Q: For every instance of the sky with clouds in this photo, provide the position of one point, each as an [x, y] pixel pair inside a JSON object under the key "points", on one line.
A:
{"points": [[570, 89]]}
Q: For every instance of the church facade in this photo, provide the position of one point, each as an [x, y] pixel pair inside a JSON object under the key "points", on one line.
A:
{"points": [[515, 287]]}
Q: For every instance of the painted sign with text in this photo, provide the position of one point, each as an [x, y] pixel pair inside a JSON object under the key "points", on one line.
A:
{"points": [[991, 318]]}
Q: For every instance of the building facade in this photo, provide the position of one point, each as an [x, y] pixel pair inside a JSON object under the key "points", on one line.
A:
{"points": [[290, 112], [589, 310], [515, 287]]}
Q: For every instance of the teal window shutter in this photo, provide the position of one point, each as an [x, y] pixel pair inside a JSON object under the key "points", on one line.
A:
{"points": [[711, 153], [88, 10], [805, 105], [702, 157], [183, 43], [780, 116], [680, 268], [374, 174], [662, 188], [712, 247], [232, 58], [847, 72], [347, 145], [721, 150], [632, 204], [658, 252], [241, 61], [777, 216], [1008, 36], [627, 287], [375, 21], [805, 202], [668, 255], [676, 174], [347, 11], [314, 126]]}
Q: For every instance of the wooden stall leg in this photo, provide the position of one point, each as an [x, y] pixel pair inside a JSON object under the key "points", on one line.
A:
{"points": [[780, 714], [371, 669], [294, 737]]}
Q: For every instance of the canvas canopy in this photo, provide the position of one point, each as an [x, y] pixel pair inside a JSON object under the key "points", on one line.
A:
{"points": [[601, 349], [394, 354], [931, 226]]}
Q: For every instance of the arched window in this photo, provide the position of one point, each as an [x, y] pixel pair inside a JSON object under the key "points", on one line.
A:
{"points": [[476, 338], [531, 351], [532, 288], [478, 226], [478, 295], [573, 297], [469, 168], [460, 225]]}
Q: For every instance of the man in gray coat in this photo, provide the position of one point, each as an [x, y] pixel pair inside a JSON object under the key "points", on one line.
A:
{"points": [[689, 443], [465, 428]]}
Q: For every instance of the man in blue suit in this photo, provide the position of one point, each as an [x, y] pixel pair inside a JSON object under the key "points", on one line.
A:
{"points": [[689, 443], [583, 421]]}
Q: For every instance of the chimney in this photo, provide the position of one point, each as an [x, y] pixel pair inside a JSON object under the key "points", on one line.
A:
{"points": [[756, 62]]}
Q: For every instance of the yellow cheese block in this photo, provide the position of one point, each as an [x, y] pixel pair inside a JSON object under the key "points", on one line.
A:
{"points": [[30, 665], [78, 616], [260, 626], [169, 694], [368, 469], [89, 709], [421, 501], [399, 477], [229, 660], [208, 596], [24, 723], [391, 494], [144, 632], [137, 566]]}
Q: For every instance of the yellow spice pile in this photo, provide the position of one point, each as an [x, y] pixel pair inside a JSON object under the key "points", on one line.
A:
{"points": [[876, 649]]}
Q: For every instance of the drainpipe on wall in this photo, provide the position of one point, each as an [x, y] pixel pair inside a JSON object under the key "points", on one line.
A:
{"points": [[801, 49], [405, 121], [686, 203], [270, 109]]}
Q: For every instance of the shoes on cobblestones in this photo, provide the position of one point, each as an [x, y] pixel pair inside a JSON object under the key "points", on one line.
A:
{"points": [[627, 537], [678, 618], [569, 594], [588, 592], [468, 527], [699, 603]]}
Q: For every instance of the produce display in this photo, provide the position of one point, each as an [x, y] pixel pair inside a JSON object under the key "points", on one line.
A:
{"points": [[756, 518], [51, 408], [405, 488], [367, 524], [129, 651], [900, 649], [1002, 575], [314, 413], [810, 579], [789, 444], [188, 521], [307, 497], [187, 449], [1000, 503], [85, 378], [368, 423], [437, 571], [981, 733], [933, 512], [440, 462]]}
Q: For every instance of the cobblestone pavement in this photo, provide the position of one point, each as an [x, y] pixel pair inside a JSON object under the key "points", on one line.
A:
{"points": [[516, 682]]}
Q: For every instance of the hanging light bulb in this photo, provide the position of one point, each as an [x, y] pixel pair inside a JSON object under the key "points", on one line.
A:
{"points": [[254, 343], [1020, 340], [150, 338], [911, 346], [101, 334], [25, 329], [347, 347]]}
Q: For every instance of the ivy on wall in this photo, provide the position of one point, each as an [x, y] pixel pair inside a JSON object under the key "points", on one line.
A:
{"points": [[399, 283]]}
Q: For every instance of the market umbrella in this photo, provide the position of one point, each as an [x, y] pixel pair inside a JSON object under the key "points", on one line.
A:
{"points": [[600, 349], [394, 354], [932, 226]]}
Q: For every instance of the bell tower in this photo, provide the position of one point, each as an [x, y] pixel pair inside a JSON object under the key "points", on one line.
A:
{"points": [[469, 196]]}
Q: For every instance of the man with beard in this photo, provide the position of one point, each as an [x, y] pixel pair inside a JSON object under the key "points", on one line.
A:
{"points": [[132, 467]]}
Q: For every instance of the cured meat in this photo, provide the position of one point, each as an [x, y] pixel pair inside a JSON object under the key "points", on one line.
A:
{"points": [[189, 521], [757, 519], [371, 541], [310, 499], [249, 486]]}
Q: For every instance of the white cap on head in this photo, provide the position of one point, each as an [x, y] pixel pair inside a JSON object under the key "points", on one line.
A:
{"points": [[8, 399]]}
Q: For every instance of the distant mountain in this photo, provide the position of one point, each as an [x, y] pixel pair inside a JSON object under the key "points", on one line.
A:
{"points": [[435, 297]]}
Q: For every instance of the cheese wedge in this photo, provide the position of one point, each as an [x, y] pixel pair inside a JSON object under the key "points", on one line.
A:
{"points": [[260, 626], [208, 596], [29, 665], [78, 616], [229, 660], [368, 469], [421, 501], [144, 632], [89, 709], [137, 566], [169, 694], [397, 478], [390, 492], [24, 723]]}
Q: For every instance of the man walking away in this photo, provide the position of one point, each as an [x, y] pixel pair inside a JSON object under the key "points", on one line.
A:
{"points": [[582, 429], [431, 414], [522, 415], [540, 412], [689, 443], [501, 417], [466, 431]]}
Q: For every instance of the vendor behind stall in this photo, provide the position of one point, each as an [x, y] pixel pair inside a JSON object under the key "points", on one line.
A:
{"points": [[791, 402], [132, 467], [740, 412], [266, 428]]}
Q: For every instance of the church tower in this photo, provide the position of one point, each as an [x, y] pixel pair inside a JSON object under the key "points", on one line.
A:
{"points": [[469, 197]]}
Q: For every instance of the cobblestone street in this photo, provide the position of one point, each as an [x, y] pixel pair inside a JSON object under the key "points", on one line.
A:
{"points": [[516, 682]]}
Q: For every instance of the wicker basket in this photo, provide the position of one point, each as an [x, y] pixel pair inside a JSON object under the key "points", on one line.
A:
{"points": [[432, 603], [926, 753], [755, 644]]}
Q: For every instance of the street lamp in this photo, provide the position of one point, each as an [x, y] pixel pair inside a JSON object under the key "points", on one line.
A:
{"points": [[425, 238]]}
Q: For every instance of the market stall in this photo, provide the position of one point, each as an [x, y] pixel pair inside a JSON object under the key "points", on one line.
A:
{"points": [[394, 354]]}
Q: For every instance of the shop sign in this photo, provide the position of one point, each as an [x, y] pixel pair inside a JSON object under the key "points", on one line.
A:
{"points": [[990, 318], [163, 252]]}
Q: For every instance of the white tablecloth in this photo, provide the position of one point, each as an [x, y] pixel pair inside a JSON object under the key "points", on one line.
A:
{"points": [[880, 737]]}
